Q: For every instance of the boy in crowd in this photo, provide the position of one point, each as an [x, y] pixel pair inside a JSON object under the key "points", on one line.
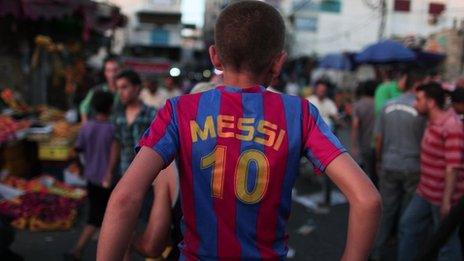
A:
{"points": [[94, 141], [239, 147]]}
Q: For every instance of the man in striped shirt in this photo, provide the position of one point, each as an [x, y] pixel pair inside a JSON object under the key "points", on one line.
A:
{"points": [[441, 185]]}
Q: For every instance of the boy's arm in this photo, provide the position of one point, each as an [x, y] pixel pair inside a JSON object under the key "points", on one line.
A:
{"points": [[365, 206], [153, 241], [125, 203]]}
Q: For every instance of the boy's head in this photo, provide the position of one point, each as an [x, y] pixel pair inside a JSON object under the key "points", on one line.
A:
{"points": [[128, 84], [249, 38], [102, 102]]}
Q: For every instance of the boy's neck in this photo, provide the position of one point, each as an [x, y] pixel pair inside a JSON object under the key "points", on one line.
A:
{"points": [[242, 80]]}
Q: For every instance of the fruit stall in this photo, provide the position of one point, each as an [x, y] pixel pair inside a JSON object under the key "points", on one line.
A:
{"points": [[33, 141], [40, 204]]}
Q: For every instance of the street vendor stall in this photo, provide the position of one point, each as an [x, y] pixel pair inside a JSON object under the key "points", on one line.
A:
{"points": [[40, 204]]}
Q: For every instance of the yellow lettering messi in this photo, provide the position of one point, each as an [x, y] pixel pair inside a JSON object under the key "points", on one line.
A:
{"points": [[208, 130], [269, 129]]}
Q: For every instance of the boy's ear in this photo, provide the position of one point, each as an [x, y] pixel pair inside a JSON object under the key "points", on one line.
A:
{"points": [[278, 63], [213, 55]]}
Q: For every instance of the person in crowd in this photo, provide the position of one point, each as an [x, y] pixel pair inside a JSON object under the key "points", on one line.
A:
{"points": [[151, 95], [171, 88], [399, 131], [455, 219], [111, 67], [292, 87], [94, 142], [362, 128], [457, 100], [390, 89], [228, 215], [440, 185], [324, 104], [163, 230], [329, 113], [130, 120]]}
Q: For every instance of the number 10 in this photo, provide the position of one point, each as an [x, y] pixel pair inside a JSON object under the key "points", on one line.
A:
{"points": [[217, 160]]}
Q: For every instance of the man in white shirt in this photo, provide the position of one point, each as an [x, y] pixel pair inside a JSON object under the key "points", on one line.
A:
{"points": [[151, 95], [325, 105]]}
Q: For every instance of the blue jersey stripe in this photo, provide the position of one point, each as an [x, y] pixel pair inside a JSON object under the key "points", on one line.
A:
{"points": [[293, 121], [168, 145], [247, 215], [206, 222]]}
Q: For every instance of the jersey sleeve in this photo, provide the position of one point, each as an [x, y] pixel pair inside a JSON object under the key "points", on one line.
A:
{"points": [[162, 135], [321, 146]]}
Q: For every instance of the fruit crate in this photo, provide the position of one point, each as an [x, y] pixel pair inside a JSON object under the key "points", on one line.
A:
{"points": [[56, 149], [54, 152]]}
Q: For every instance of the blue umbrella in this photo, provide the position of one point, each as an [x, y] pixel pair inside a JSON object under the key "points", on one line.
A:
{"points": [[386, 51], [428, 59], [336, 61]]}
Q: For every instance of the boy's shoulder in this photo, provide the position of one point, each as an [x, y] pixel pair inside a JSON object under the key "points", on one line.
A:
{"points": [[192, 97]]}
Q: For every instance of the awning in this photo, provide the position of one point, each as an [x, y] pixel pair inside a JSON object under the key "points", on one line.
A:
{"points": [[99, 16]]}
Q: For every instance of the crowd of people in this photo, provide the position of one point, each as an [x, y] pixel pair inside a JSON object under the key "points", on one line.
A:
{"points": [[409, 133], [406, 133]]}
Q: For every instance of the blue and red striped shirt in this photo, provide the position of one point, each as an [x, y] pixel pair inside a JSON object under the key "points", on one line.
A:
{"points": [[238, 152]]}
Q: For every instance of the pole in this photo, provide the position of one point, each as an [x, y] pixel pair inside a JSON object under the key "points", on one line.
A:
{"points": [[383, 19]]}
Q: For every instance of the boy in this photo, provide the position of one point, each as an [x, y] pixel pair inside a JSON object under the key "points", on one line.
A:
{"points": [[238, 148], [94, 141], [130, 119]]}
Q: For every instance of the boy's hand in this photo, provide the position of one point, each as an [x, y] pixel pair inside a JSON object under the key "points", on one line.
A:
{"points": [[141, 246]]}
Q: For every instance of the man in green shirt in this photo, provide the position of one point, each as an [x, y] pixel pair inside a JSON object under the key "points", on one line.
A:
{"points": [[110, 69], [389, 90]]}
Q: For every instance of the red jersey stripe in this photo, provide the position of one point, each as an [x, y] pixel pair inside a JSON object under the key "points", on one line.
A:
{"points": [[269, 206]]}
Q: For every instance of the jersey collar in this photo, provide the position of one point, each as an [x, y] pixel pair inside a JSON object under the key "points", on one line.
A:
{"points": [[234, 89]]}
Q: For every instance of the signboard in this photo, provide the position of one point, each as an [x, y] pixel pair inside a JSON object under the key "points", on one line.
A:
{"points": [[147, 65], [306, 24], [160, 36]]}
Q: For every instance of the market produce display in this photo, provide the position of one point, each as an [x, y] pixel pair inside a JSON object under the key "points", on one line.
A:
{"points": [[49, 114], [47, 204], [10, 99], [9, 127], [40, 211]]}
